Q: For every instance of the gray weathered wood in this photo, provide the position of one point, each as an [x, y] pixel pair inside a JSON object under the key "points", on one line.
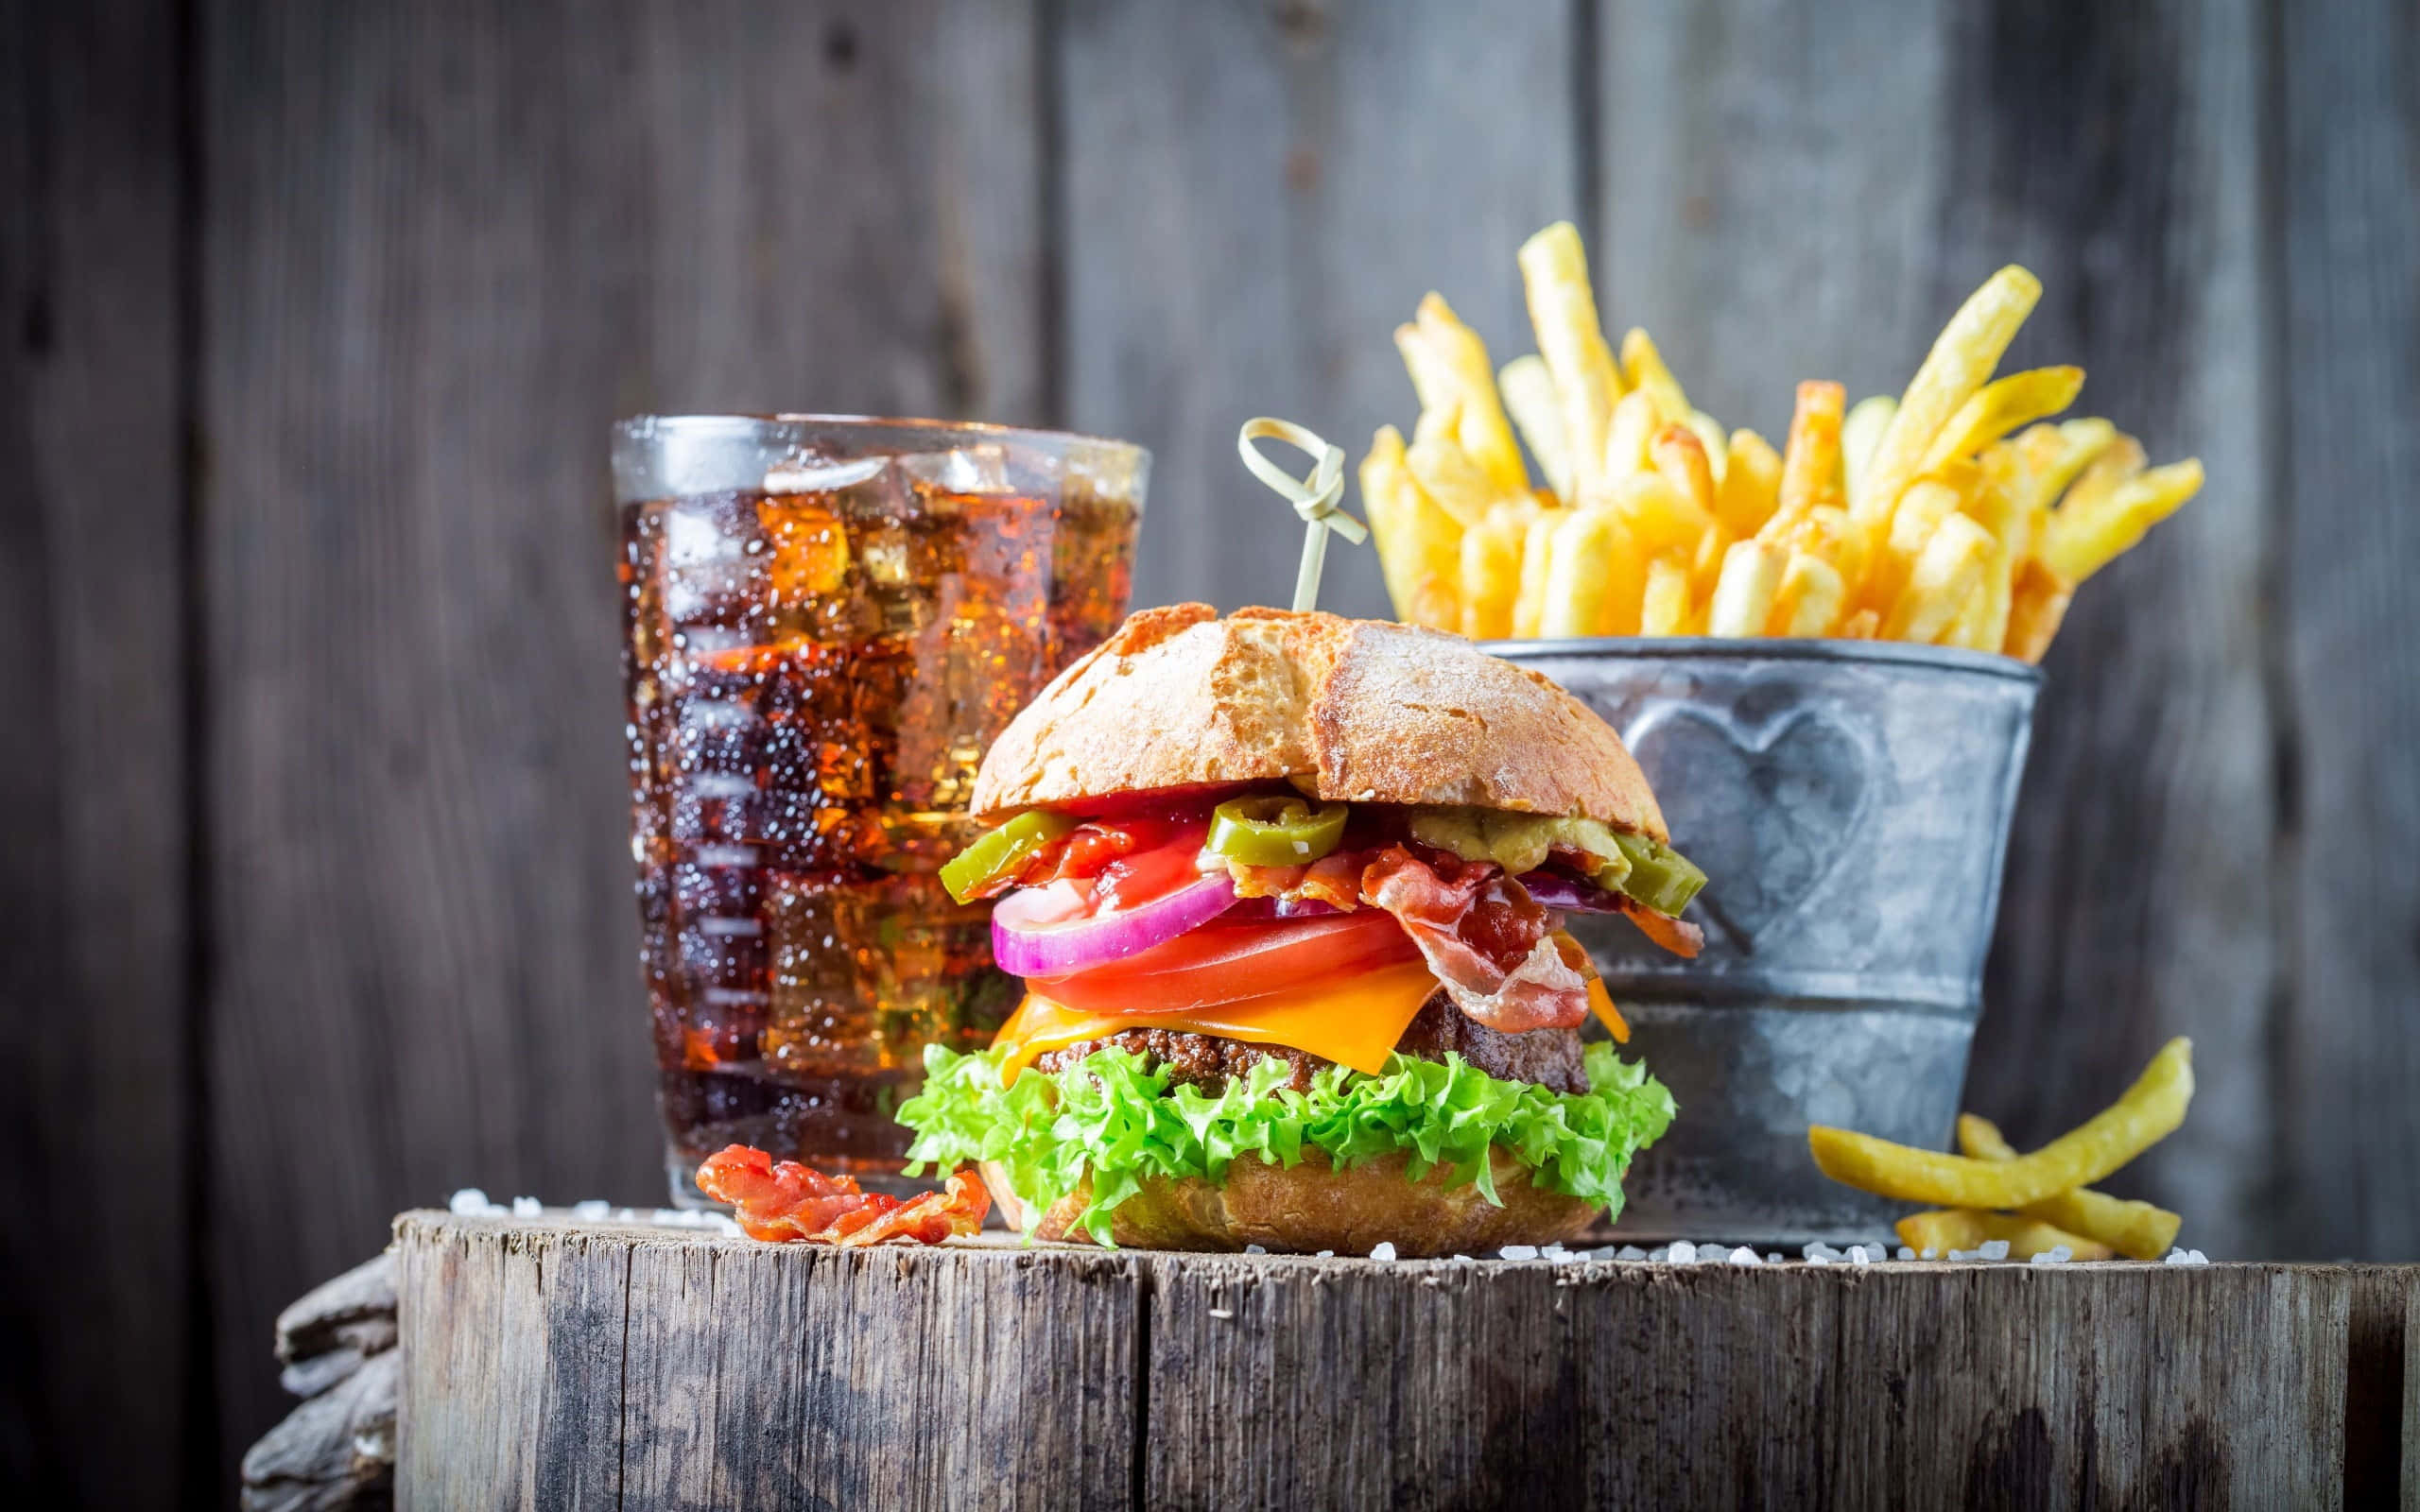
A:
{"points": [[2347, 1056], [1257, 195], [95, 1063], [553, 1367], [570, 1364], [444, 249]]}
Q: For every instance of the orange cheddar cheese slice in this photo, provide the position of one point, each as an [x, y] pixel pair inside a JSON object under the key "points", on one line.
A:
{"points": [[1354, 1022]]}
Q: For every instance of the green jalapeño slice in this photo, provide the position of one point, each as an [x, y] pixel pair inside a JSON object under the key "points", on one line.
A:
{"points": [[1001, 853], [1275, 832], [1660, 877]]}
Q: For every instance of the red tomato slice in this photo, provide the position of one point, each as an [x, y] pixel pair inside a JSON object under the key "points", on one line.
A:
{"points": [[1229, 963]]}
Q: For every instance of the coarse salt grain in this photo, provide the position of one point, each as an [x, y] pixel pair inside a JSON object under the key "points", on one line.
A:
{"points": [[1992, 1249], [1819, 1260], [1255, 1249], [594, 1208], [468, 1200], [2055, 1255], [1682, 1252], [1744, 1256], [1659, 1256], [1220, 1312], [1905, 1253], [1325, 1254], [1630, 1252], [1817, 1249], [2199, 1258], [1858, 1256], [528, 1208], [1385, 1250], [2177, 1257], [1519, 1252]]}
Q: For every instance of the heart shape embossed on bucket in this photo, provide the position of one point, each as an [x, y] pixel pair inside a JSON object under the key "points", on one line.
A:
{"points": [[1799, 770]]}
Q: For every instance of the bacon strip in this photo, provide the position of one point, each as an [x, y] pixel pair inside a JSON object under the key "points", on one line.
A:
{"points": [[788, 1201], [1334, 879], [1482, 935]]}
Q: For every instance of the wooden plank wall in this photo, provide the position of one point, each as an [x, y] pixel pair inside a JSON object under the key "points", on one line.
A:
{"points": [[312, 318]]}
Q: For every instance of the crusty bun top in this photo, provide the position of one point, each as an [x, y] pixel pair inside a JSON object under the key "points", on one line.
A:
{"points": [[1369, 710]]}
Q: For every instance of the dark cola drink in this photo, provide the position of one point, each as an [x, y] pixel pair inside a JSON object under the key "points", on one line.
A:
{"points": [[827, 623]]}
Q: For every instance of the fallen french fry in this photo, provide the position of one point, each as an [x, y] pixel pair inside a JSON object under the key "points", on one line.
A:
{"points": [[1751, 486], [1743, 595], [1946, 572], [1809, 598], [2000, 406], [1643, 367], [2139, 1231], [1528, 395], [1419, 544], [1960, 361], [2079, 541], [1935, 1235], [1664, 606], [1562, 312], [1490, 573], [1810, 463], [1448, 364], [1537, 557], [2149, 1110], [1444, 472], [1860, 430], [1594, 578], [2037, 604]]}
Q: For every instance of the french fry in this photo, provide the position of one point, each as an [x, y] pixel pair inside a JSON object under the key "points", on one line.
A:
{"points": [[2000, 406], [1717, 449], [1528, 394], [2037, 603], [2079, 541], [1537, 557], [1594, 578], [1827, 532], [1664, 606], [1861, 625], [2148, 1113], [1679, 455], [1917, 517], [1810, 464], [1751, 486], [1662, 517], [1962, 359], [2138, 1230], [1999, 506], [1562, 312], [1490, 573], [1448, 364], [1862, 427], [1419, 544], [1743, 595], [1437, 463], [1936, 1233], [1949, 570], [1643, 367], [1809, 598], [1636, 419]]}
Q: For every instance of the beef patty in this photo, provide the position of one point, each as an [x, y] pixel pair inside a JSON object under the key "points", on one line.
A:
{"points": [[1543, 1058]]}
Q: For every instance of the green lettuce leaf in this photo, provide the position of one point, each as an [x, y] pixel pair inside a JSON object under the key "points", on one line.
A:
{"points": [[1112, 1117]]}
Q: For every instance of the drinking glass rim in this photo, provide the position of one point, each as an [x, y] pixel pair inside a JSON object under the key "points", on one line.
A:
{"points": [[741, 422]]}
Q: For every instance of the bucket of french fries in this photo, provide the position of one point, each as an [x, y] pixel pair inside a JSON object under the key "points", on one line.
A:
{"points": [[1824, 651]]}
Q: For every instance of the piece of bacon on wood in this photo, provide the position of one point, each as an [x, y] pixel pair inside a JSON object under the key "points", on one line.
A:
{"points": [[1484, 936], [786, 1201]]}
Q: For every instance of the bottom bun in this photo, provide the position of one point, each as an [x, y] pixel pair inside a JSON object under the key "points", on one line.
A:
{"points": [[1312, 1206]]}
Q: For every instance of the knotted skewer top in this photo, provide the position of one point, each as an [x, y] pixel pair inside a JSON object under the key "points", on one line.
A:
{"points": [[1317, 499]]}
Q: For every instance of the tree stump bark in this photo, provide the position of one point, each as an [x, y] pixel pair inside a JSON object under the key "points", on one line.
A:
{"points": [[549, 1364]]}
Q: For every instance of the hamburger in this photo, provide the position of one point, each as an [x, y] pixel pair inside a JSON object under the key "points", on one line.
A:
{"points": [[1288, 894]]}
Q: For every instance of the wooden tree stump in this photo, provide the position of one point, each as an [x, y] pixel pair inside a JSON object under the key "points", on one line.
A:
{"points": [[560, 1365]]}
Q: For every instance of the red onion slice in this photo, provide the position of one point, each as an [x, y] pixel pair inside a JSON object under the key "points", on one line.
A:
{"points": [[1552, 890], [1034, 934]]}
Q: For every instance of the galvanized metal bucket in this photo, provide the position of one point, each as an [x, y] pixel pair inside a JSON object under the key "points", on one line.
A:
{"points": [[1850, 803]]}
